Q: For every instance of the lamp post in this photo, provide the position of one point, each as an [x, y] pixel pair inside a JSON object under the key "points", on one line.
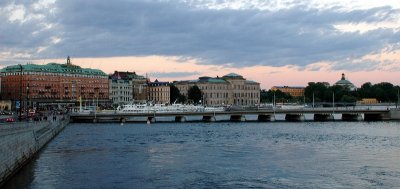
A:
{"points": [[313, 100], [20, 93], [398, 97], [27, 100]]}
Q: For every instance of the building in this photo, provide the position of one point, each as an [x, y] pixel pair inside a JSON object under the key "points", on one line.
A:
{"points": [[120, 88], [231, 89], [215, 91], [293, 91], [52, 83], [346, 83], [126, 87], [368, 101], [139, 85], [158, 92]]}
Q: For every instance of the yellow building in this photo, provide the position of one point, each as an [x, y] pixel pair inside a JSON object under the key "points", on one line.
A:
{"points": [[293, 91], [368, 101], [158, 92], [231, 89]]}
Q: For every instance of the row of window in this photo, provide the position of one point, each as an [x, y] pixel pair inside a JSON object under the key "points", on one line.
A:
{"points": [[246, 95], [54, 74]]}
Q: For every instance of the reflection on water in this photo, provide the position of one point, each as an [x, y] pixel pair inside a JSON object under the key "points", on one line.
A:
{"points": [[223, 155]]}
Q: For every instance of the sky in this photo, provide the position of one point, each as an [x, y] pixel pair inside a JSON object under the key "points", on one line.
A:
{"points": [[286, 42]]}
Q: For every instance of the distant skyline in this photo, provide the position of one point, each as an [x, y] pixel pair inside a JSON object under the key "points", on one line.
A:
{"points": [[273, 42]]}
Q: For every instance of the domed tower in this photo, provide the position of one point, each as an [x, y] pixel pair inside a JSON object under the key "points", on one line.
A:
{"points": [[346, 83]]}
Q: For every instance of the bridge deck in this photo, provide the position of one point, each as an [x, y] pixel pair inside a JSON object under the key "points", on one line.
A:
{"points": [[242, 112]]}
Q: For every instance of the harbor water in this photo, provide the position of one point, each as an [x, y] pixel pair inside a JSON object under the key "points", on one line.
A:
{"points": [[218, 155]]}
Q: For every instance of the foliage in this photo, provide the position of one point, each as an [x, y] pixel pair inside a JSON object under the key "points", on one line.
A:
{"points": [[174, 93], [268, 96], [176, 96], [194, 94], [323, 93], [383, 92]]}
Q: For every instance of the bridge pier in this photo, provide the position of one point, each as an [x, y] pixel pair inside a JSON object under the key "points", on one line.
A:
{"points": [[394, 114], [151, 119], [351, 117], [295, 117], [180, 119], [238, 118], [376, 116], [323, 117], [208, 118], [266, 117], [122, 120]]}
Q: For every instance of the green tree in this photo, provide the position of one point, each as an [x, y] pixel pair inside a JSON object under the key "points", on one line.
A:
{"points": [[319, 89], [264, 96], [174, 93], [268, 96], [181, 99], [195, 94]]}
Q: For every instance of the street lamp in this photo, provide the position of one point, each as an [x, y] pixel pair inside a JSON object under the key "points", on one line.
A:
{"points": [[313, 100]]}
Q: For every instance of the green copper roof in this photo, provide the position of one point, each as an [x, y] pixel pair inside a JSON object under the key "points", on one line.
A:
{"points": [[53, 68], [251, 82], [343, 81]]}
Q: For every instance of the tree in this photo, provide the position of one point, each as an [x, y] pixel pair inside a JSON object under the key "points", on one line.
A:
{"points": [[319, 89], [268, 96], [182, 99], [174, 93], [195, 94], [264, 96]]}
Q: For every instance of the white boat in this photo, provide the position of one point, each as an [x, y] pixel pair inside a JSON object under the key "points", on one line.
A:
{"points": [[134, 108], [163, 108]]}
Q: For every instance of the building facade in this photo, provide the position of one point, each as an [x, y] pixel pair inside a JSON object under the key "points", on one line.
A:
{"points": [[158, 92], [127, 87], [231, 89], [120, 88], [52, 83], [293, 91]]}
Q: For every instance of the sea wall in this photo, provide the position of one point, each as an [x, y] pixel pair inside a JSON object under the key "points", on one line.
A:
{"points": [[19, 142], [395, 114]]}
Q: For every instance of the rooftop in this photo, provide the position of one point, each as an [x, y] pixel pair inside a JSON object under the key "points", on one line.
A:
{"points": [[53, 68], [291, 87], [343, 81], [126, 75], [233, 75]]}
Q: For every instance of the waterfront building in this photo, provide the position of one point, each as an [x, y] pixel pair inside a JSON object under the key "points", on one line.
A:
{"points": [[291, 90], [231, 89], [139, 86], [120, 88], [346, 83], [126, 87], [368, 101], [158, 92], [53, 83]]}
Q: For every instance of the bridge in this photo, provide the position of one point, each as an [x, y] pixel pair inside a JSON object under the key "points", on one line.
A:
{"points": [[265, 115]]}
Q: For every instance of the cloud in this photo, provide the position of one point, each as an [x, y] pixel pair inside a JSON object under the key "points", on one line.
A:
{"points": [[235, 37], [173, 74]]}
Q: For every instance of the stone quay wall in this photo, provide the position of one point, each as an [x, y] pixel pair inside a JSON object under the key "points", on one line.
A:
{"points": [[20, 141]]}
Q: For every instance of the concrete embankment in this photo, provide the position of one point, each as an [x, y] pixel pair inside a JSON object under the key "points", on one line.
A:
{"points": [[19, 142]]}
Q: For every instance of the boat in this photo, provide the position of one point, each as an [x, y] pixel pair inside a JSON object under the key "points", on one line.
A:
{"points": [[165, 108]]}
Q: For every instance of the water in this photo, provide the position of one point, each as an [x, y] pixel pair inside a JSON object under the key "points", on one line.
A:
{"points": [[219, 155]]}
